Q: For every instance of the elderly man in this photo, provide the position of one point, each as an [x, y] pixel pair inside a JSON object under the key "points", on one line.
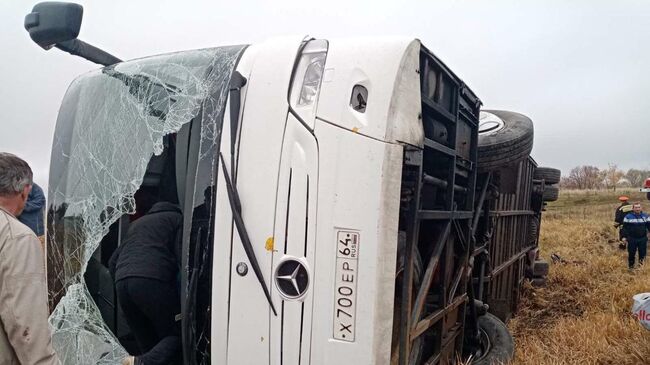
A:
{"points": [[636, 226], [24, 332]]}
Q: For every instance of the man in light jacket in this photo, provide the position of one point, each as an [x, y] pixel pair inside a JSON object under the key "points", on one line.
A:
{"points": [[25, 336]]}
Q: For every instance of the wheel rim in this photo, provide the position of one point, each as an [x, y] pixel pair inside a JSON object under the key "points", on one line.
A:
{"points": [[485, 346], [489, 123]]}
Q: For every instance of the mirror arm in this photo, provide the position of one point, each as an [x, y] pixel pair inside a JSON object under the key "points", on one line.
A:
{"points": [[91, 53]]}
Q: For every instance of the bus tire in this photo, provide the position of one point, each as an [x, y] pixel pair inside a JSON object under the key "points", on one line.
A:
{"points": [[548, 174], [501, 345], [504, 138], [551, 193]]}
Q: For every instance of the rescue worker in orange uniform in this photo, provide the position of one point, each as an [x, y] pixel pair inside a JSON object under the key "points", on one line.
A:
{"points": [[619, 215]]}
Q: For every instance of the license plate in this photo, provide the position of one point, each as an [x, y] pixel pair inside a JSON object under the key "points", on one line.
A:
{"points": [[345, 292]]}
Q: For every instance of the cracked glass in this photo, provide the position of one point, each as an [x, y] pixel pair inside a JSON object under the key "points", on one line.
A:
{"points": [[153, 122]]}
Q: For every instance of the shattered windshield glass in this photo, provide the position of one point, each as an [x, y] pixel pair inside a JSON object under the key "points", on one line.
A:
{"points": [[112, 121]]}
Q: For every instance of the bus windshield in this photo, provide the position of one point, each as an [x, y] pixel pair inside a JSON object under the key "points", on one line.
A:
{"points": [[148, 127]]}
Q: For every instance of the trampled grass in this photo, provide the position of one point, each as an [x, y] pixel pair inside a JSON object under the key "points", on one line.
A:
{"points": [[583, 315]]}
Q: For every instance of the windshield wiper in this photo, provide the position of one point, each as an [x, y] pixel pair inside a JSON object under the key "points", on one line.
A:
{"points": [[147, 91], [235, 205]]}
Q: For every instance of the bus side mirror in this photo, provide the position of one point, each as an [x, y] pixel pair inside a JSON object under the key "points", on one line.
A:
{"points": [[50, 23]]}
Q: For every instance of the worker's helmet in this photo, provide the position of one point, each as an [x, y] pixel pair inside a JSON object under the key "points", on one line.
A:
{"points": [[647, 183], [623, 198]]}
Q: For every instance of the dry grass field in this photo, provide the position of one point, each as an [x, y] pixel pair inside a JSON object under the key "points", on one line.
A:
{"points": [[583, 316]]}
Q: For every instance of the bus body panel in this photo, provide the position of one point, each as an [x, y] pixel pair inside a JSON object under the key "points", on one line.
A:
{"points": [[360, 196], [263, 119], [388, 69]]}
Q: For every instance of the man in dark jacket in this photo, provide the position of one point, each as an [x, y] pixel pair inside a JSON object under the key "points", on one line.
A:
{"points": [[145, 269], [636, 226], [32, 215]]}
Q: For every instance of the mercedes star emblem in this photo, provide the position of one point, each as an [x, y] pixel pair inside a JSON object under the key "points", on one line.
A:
{"points": [[292, 278]]}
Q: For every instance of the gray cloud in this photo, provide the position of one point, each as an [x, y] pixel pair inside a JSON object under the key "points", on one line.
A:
{"points": [[578, 69]]}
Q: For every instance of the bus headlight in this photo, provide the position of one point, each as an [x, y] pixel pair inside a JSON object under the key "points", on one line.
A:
{"points": [[312, 78], [308, 77]]}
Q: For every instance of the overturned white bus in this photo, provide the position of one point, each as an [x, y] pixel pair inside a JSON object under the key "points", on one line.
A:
{"points": [[331, 192]]}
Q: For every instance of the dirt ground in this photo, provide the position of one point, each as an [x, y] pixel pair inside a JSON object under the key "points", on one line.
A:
{"points": [[583, 316]]}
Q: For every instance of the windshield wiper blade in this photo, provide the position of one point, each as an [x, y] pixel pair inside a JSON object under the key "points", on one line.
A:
{"points": [[148, 92], [235, 205]]}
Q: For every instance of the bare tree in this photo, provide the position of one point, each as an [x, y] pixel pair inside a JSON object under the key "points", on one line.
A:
{"points": [[611, 176], [591, 177], [637, 177], [583, 177]]}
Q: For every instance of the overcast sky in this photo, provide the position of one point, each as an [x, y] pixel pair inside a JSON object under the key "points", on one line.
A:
{"points": [[580, 70]]}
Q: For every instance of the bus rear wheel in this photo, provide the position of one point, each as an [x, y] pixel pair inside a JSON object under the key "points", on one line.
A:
{"points": [[498, 346]]}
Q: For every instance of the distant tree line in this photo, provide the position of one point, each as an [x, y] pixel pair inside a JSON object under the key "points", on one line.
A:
{"points": [[592, 177]]}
